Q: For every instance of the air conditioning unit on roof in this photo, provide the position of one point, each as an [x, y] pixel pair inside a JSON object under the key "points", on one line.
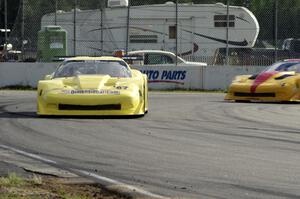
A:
{"points": [[117, 3]]}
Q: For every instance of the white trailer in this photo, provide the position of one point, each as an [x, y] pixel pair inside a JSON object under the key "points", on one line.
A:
{"points": [[202, 28]]}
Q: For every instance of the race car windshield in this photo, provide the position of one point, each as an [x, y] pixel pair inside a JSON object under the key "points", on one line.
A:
{"points": [[102, 67], [285, 66]]}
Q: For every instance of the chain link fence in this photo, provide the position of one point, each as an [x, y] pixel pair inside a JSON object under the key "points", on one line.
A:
{"points": [[247, 32]]}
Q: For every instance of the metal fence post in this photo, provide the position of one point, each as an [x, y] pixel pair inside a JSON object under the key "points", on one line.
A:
{"points": [[101, 27], [227, 34], [22, 30], [5, 27], [74, 27], [176, 25], [127, 30], [276, 30], [55, 14]]}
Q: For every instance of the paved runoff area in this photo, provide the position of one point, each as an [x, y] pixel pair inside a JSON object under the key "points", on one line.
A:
{"points": [[189, 145]]}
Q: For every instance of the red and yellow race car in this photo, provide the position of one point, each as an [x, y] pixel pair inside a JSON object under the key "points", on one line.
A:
{"points": [[278, 82]]}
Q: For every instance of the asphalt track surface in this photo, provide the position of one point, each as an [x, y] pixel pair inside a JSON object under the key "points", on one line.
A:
{"points": [[189, 145]]}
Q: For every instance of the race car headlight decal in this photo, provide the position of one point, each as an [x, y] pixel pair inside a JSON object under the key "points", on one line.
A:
{"points": [[283, 84], [238, 80]]}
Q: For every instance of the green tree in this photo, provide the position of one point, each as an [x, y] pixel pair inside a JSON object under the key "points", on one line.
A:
{"points": [[12, 12], [288, 18]]}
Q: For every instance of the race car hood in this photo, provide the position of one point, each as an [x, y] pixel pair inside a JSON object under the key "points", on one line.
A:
{"points": [[90, 82], [82, 82], [267, 77]]}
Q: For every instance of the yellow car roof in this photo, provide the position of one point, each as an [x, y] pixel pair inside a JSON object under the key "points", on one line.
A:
{"points": [[95, 58]]}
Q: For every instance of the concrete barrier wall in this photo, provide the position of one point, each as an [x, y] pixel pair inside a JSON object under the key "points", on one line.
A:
{"points": [[26, 74], [163, 78], [220, 77]]}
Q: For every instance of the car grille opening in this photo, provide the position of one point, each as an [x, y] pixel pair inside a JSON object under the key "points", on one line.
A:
{"points": [[89, 107], [283, 76], [241, 94]]}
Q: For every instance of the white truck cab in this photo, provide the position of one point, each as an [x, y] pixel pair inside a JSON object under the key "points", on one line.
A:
{"points": [[159, 57]]}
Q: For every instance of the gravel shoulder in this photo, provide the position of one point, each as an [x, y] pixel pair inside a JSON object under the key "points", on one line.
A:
{"points": [[42, 186], [26, 178]]}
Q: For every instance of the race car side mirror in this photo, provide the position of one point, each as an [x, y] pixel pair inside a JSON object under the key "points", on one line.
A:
{"points": [[48, 77]]}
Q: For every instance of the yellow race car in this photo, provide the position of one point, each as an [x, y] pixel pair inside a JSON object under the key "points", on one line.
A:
{"points": [[278, 82], [93, 86]]}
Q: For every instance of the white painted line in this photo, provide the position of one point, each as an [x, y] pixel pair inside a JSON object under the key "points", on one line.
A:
{"points": [[86, 173], [97, 176], [28, 154], [117, 183]]}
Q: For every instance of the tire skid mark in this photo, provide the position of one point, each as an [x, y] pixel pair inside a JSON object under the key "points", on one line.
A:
{"points": [[233, 119]]}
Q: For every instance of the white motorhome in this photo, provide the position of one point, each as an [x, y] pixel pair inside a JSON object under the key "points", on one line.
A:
{"points": [[201, 28]]}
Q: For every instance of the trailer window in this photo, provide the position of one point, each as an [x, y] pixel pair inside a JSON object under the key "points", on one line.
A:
{"points": [[221, 20], [143, 38], [172, 32]]}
